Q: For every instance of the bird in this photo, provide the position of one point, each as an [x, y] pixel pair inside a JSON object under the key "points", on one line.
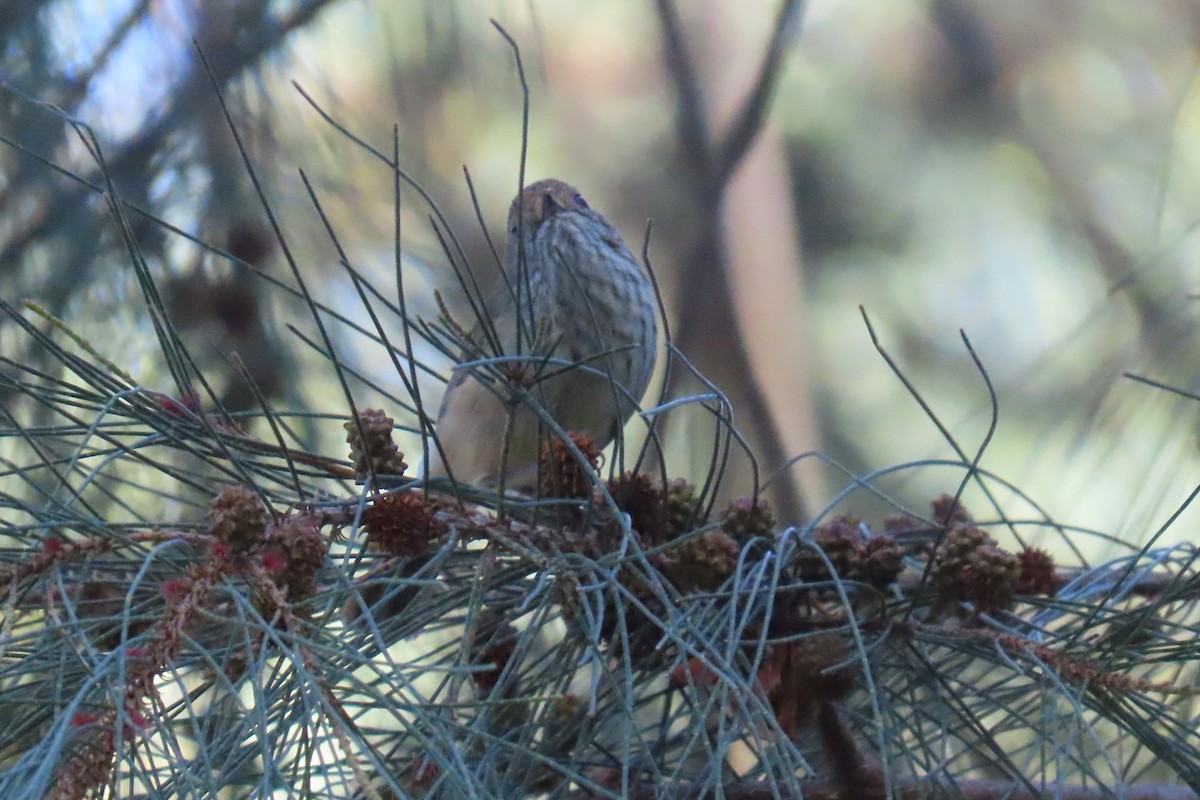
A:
{"points": [[571, 326]]}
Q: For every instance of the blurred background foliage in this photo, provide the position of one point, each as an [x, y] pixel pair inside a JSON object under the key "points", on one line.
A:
{"points": [[1026, 172]]}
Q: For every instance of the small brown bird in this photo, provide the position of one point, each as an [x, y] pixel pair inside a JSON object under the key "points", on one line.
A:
{"points": [[580, 298]]}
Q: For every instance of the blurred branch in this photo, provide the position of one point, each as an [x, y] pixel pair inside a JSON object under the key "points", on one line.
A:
{"points": [[691, 120], [706, 282], [51, 222], [749, 121], [241, 48], [715, 164]]}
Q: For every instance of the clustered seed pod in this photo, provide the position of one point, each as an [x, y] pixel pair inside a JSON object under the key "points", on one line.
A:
{"points": [[639, 497], [404, 523], [295, 549], [373, 452], [970, 566], [680, 508], [560, 474], [701, 563], [237, 517], [744, 519], [949, 511], [881, 561], [855, 555], [839, 539], [1038, 574]]}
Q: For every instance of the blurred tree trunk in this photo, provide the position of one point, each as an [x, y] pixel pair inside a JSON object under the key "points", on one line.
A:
{"points": [[740, 313]]}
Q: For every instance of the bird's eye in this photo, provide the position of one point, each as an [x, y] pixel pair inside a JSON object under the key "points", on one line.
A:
{"points": [[579, 201]]}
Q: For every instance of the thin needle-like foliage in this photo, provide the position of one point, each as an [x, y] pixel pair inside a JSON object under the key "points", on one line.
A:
{"points": [[197, 601]]}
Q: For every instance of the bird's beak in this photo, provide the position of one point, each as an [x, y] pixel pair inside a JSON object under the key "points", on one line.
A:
{"points": [[550, 206]]}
